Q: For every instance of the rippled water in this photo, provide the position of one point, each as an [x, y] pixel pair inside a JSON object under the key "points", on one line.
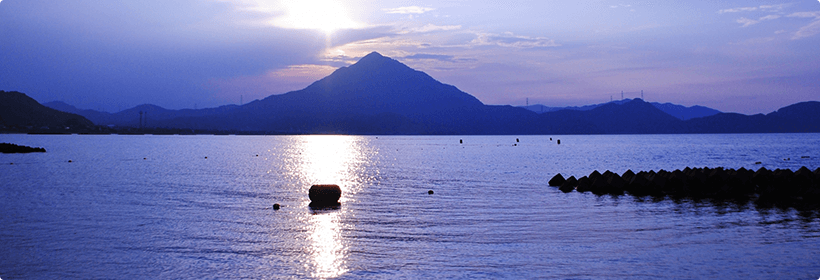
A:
{"points": [[200, 207]]}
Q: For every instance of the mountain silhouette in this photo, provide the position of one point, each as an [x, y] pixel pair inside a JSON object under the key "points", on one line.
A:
{"points": [[633, 117], [379, 95], [20, 112], [677, 111]]}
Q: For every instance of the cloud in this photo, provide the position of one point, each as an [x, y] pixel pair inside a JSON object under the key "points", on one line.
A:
{"points": [[764, 8], [748, 22], [815, 14], [737, 10], [431, 28], [514, 41], [770, 17], [621, 5], [408, 10], [439, 57], [809, 30], [773, 8]]}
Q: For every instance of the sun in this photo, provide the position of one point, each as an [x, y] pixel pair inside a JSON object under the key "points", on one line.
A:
{"points": [[325, 15]]}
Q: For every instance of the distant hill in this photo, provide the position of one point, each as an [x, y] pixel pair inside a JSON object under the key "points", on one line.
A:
{"points": [[678, 111], [633, 117], [153, 116], [800, 117], [18, 111], [379, 95]]}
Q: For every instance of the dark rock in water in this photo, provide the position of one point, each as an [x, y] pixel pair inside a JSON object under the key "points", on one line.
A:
{"points": [[557, 180], [324, 195], [569, 184], [8, 148]]}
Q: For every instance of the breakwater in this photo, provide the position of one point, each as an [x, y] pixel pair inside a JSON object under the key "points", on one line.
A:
{"points": [[773, 185]]}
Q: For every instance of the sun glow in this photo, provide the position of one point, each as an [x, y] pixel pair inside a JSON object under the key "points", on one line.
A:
{"points": [[324, 15]]}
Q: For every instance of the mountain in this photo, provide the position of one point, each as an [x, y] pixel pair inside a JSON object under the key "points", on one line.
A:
{"points": [[131, 117], [632, 117], [18, 112], [678, 111], [796, 118], [379, 95], [685, 113]]}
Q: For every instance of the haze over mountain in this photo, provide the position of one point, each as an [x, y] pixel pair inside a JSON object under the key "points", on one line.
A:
{"points": [[379, 95]]}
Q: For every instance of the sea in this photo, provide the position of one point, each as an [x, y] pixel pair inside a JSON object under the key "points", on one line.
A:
{"points": [[201, 207]]}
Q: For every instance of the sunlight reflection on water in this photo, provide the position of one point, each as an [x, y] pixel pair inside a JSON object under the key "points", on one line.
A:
{"points": [[328, 160], [326, 248]]}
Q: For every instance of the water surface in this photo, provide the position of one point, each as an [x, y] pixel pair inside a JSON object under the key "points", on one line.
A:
{"points": [[200, 207]]}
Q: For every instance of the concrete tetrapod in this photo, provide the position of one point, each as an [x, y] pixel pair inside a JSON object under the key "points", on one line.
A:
{"points": [[778, 186]]}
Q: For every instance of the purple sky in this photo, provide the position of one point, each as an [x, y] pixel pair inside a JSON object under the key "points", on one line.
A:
{"points": [[735, 56]]}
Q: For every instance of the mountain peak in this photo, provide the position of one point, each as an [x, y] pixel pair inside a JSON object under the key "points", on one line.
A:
{"points": [[372, 55], [375, 62]]}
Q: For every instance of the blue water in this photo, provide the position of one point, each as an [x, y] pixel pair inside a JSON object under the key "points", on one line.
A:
{"points": [[147, 207]]}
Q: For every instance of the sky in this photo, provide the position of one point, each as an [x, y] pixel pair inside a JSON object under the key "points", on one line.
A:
{"points": [[735, 56]]}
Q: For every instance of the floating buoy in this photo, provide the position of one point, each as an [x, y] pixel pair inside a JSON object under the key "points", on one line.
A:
{"points": [[460, 141], [206, 157], [276, 206], [430, 192], [559, 141], [516, 140], [144, 158], [69, 160], [324, 195]]}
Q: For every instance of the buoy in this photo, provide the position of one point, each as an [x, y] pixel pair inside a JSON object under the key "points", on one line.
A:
{"points": [[559, 141], [430, 192], [460, 141], [550, 138], [324, 195], [276, 206], [206, 157], [516, 140], [144, 158], [69, 160]]}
